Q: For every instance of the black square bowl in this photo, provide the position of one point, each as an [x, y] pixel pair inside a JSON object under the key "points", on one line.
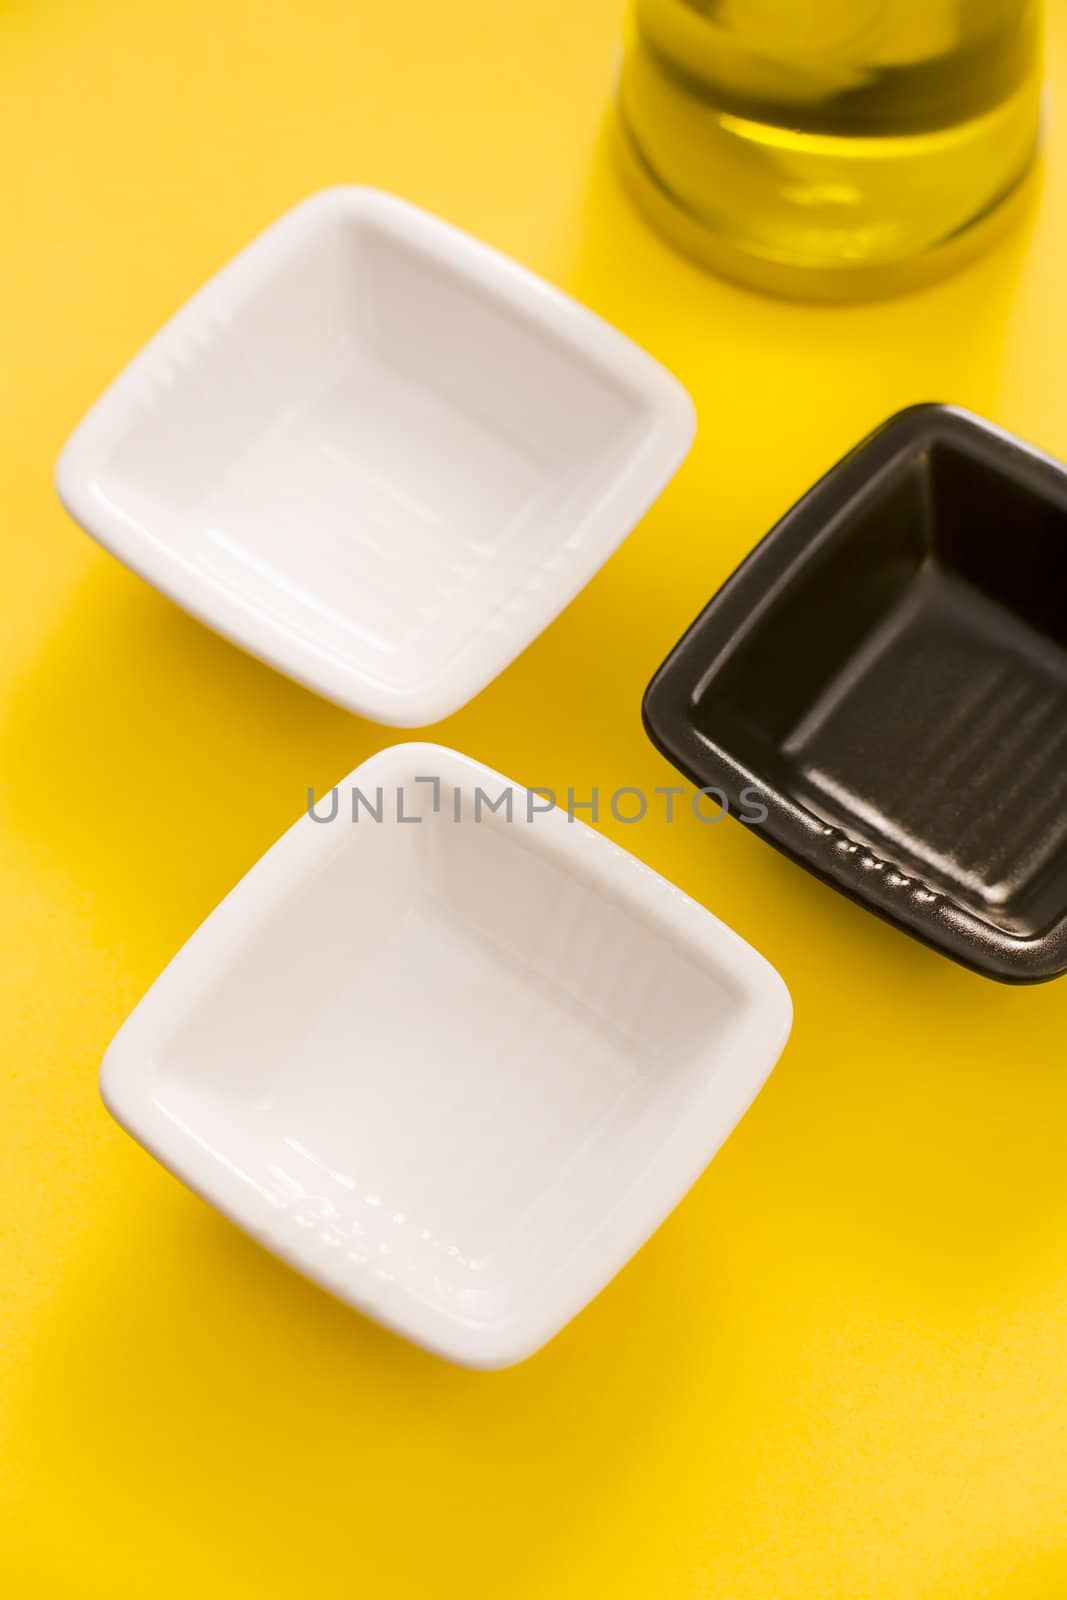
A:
{"points": [[889, 668]]}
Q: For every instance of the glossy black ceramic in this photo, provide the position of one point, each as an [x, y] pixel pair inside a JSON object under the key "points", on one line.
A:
{"points": [[889, 668]]}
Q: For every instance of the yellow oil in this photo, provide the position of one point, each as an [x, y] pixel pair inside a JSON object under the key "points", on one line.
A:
{"points": [[830, 147]]}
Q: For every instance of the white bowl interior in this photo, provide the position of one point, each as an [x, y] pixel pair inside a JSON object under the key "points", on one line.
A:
{"points": [[371, 448], [449, 1055]]}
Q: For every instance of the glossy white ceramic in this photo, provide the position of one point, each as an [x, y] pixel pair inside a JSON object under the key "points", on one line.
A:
{"points": [[377, 454], [456, 1071]]}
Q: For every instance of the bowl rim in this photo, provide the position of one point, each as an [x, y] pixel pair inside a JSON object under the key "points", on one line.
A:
{"points": [[628, 490], [734, 614], [732, 1071]]}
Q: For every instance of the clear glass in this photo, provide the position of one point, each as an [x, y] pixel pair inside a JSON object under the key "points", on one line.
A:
{"points": [[830, 146]]}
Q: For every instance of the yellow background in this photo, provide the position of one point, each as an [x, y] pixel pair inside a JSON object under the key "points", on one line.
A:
{"points": [[839, 1370]]}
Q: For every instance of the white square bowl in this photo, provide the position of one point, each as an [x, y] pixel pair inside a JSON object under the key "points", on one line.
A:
{"points": [[376, 454], [454, 1072]]}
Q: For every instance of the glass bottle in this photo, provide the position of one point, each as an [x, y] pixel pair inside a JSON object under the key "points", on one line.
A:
{"points": [[831, 148]]}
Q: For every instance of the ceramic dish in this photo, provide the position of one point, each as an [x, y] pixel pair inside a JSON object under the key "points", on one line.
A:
{"points": [[889, 670], [377, 454], [455, 1071]]}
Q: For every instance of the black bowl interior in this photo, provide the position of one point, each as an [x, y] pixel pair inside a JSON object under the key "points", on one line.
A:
{"points": [[906, 681]]}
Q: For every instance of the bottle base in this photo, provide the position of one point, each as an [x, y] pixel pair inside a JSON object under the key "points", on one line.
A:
{"points": [[851, 280]]}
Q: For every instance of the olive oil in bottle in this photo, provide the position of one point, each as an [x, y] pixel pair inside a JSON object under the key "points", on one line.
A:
{"points": [[830, 148]]}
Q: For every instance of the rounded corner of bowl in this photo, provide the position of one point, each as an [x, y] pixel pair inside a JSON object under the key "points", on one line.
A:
{"points": [[118, 1085], [650, 707], [498, 1350], [72, 480], [784, 1005], [684, 417], [662, 715]]}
